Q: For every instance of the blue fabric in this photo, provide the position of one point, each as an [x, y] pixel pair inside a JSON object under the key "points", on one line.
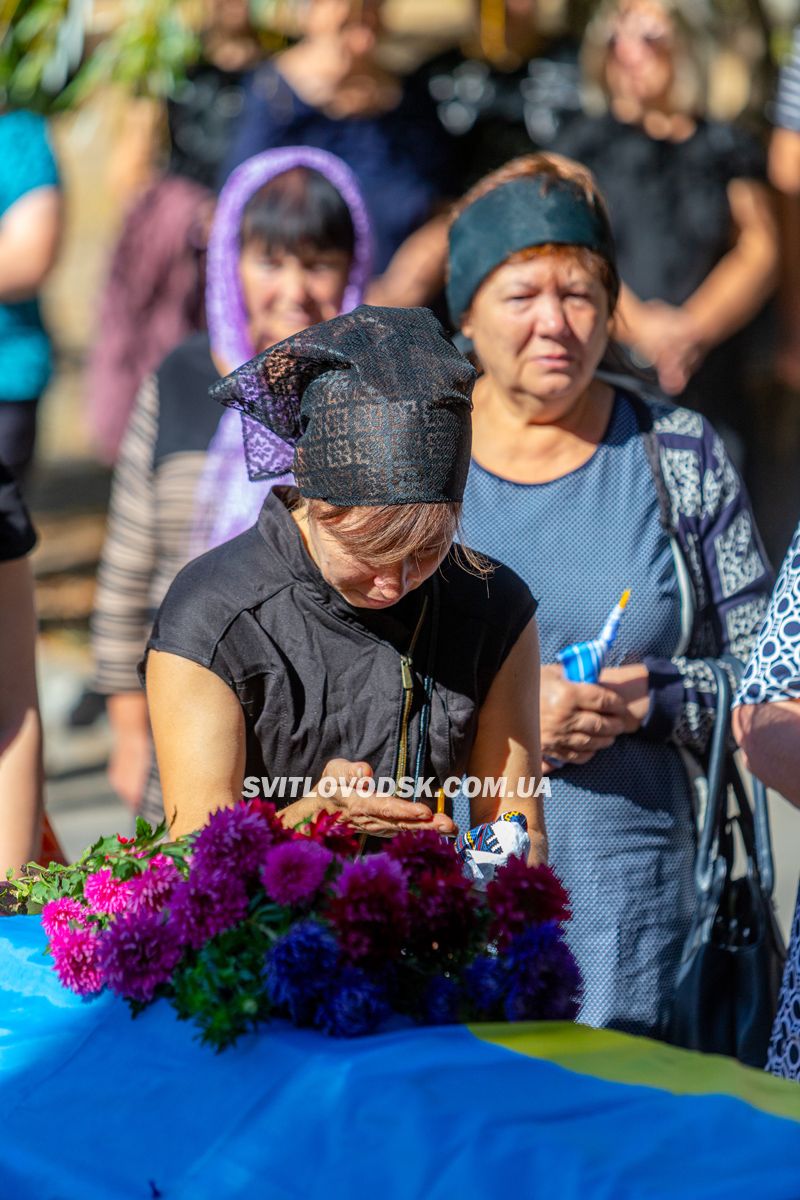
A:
{"points": [[26, 163], [400, 158], [620, 828], [98, 1106]]}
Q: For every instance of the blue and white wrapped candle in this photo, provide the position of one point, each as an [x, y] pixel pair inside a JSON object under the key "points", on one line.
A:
{"points": [[583, 661]]}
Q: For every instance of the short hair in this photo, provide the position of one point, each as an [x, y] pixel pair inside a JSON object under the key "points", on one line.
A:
{"points": [[555, 168], [298, 210], [386, 534]]}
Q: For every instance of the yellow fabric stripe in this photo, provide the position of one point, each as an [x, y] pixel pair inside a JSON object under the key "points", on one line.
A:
{"points": [[620, 1058]]}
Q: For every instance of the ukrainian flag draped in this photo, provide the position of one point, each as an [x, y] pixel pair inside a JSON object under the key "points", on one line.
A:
{"points": [[95, 1105]]}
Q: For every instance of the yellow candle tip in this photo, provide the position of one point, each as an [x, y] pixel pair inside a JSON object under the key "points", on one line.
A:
{"points": [[440, 800], [625, 597]]}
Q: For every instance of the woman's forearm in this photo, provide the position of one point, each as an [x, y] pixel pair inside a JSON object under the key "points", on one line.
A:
{"points": [[769, 735], [736, 289]]}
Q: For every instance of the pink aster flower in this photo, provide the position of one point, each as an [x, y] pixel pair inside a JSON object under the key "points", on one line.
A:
{"points": [[57, 914], [151, 890], [76, 959], [105, 894], [233, 840], [294, 871]]}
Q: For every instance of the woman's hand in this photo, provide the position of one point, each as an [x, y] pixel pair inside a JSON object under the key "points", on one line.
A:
{"points": [[381, 816], [578, 719], [670, 340]]}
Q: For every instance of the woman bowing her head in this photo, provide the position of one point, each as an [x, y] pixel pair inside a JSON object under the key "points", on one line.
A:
{"points": [[341, 636], [588, 489]]}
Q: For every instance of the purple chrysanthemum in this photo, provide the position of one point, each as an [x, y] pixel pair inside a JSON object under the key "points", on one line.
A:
{"points": [[201, 907], [370, 909], [424, 852], [354, 1004], [76, 959], [294, 871], [520, 896], [544, 979], [233, 840], [299, 968], [442, 914], [138, 952], [441, 1001], [57, 914], [486, 982], [151, 890], [105, 894]]}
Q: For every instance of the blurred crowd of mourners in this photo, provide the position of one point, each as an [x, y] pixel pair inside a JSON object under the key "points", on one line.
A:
{"points": [[600, 203]]}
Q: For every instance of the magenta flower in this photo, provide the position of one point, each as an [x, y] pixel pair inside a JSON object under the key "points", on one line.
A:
{"points": [[151, 890], [206, 904], [442, 914], [234, 840], [105, 894], [370, 909], [422, 852], [294, 871], [57, 914], [76, 959], [520, 896], [138, 952]]}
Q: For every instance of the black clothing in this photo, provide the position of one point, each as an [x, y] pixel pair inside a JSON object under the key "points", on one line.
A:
{"points": [[17, 536], [187, 416], [494, 115], [671, 220], [667, 200], [376, 404], [201, 116], [318, 679]]}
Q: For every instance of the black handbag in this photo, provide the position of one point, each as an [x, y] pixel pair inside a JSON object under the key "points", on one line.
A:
{"points": [[729, 978]]}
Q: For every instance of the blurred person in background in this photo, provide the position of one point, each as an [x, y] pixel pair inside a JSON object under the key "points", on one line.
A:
{"points": [[289, 247], [690, 209], [31, 221], [766, 722], [779, 437], [507, 91], [21, 770], [585, 489], [153, 297], [329, 91]]}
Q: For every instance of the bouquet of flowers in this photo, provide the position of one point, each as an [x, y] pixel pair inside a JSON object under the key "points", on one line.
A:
{"points": [[249, 920]]}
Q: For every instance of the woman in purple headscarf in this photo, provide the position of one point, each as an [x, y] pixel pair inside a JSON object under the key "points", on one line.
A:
{"points": [[290, 246]]}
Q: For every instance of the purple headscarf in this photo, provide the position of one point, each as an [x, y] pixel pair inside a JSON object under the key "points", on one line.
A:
{"points": [[227, 501]]}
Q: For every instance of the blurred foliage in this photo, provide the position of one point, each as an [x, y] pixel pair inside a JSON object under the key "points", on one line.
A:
{"points": [[51, 60]]}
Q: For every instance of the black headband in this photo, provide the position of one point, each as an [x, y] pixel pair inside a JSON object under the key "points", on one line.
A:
{"points": [[533, 211], [376, 404]]}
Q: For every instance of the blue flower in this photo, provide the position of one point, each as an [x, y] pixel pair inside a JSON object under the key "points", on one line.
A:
{"points": [[299, 969], [486, 980], [354, 1005], [545, 981], [441, 1003]]}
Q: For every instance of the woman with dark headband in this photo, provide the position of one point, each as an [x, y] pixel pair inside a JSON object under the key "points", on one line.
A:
{"points": [[590, 490], [340, 636]]}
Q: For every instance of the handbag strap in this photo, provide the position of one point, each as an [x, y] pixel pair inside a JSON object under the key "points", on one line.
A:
{"points": [[754, 821]]}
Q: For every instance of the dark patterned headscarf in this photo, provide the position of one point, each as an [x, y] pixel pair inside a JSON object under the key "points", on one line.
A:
{"points": [[376, 405]]}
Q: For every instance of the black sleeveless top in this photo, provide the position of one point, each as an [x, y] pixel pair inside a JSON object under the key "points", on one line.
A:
{"points": [[319, 679]]}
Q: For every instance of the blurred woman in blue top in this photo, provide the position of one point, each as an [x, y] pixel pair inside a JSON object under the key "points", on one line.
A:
{"points": [[30, 228]]}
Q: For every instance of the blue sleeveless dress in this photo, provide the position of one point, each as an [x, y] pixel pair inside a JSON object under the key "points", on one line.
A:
{"points": [[620, 827]]}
